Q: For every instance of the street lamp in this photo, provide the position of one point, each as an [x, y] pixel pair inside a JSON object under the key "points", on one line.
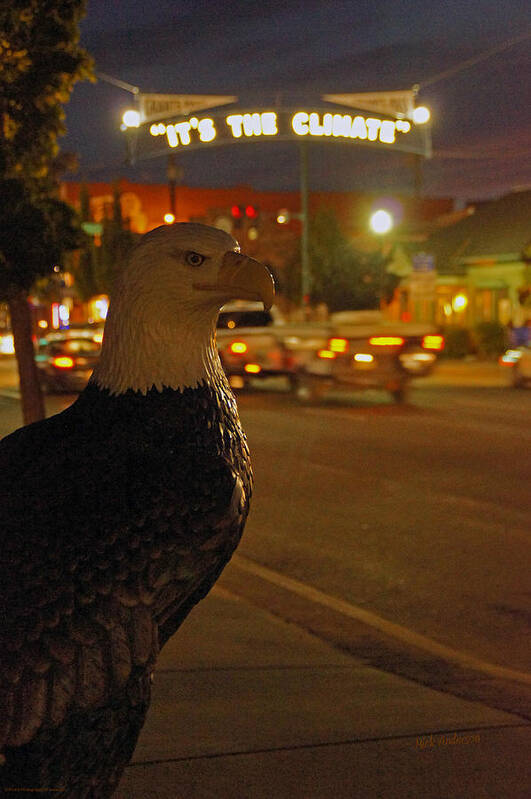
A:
{"points": [[421, 115], [381, 222], [130, 123], [130, 119]]}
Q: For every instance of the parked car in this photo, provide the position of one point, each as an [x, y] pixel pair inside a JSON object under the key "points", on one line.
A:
{"points": [[65, 360], [519, 360]]}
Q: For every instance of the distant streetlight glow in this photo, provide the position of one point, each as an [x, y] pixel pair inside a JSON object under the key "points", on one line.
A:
{"points": [[131, 118], [169, 219], [421, 115], [459, 302], [381, 221]]}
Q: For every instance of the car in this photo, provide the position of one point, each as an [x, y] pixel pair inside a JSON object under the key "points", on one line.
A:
{"points": [[249, 342], [65, 360], [519, 360]]}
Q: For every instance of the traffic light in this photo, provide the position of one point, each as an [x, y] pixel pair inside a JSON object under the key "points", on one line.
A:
{"points": [[237, 212], [244, 213]]}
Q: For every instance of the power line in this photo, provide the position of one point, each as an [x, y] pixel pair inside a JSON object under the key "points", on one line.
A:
{"points": [[474, 60]]}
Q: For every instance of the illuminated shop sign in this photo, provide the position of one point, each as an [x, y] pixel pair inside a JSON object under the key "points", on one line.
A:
{"points": [[223, 128]]}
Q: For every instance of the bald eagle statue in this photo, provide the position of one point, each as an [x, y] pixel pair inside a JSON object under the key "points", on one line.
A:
{"points": [[118, 515]]}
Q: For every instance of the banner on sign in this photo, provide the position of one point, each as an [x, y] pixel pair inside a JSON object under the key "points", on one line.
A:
{"points": [[397, 104], [162, 106]]}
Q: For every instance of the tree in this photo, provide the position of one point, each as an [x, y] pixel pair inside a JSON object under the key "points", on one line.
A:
{"points": [[341, 276], [96, 266], [40, 60]]}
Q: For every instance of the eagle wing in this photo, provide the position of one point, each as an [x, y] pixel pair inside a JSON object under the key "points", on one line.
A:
{"points": [[100, 547]]}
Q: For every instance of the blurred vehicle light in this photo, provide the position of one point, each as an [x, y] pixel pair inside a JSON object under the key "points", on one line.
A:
{"points": [[253, 368], [386, 341], [63, 362], [338, 344], [326, 354], [363, 357], [238, 347], [510, 357], [433, 342]]}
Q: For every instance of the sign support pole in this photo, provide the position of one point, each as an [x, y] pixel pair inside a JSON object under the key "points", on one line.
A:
{"points": [[305, 258]]}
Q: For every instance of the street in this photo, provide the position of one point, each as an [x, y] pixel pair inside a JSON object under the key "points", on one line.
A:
{"points": [[397, 533]]}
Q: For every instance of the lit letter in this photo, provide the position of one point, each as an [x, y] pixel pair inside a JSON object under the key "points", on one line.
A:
{"points": [[235, 122], [387, 131], [172, 136], [183, 129], [316, 129], [269, 123], [403, 125], [341, 125], [359, 131], [251, 125], [373, 126], [207, 129], [327, 124], [299, 123]]}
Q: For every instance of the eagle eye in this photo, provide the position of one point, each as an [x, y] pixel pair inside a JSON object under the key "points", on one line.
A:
{"points": [[194, 258]]}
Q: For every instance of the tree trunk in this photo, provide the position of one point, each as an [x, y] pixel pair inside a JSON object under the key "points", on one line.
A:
{"points": [[30, 388]]}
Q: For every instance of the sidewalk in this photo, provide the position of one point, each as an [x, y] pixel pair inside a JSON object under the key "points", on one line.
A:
{"points": [[246, 706], [478, 374]]}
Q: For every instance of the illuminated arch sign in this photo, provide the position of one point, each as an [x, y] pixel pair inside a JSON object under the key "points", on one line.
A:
{"points": [[327, 124]]}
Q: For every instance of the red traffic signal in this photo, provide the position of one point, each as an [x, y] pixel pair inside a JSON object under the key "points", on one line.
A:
{"points": [[239, 211]]}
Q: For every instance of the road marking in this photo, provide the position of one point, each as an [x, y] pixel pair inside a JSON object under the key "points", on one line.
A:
{"points": [[337, 414], [377, 622]]}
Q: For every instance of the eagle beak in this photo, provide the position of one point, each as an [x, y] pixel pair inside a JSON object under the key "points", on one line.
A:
{"points": [[243, 278]]}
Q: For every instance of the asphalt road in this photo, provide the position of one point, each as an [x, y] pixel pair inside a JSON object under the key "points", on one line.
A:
{"points": [[417, 514]]}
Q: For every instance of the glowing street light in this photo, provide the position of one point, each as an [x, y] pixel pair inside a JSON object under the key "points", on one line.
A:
{"points": [[421, 115], [131, 119], [381, 222], [459, 302], [169, 219]]}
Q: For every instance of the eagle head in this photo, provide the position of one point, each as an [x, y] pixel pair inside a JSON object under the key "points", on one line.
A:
{"points": [[160, 329]]}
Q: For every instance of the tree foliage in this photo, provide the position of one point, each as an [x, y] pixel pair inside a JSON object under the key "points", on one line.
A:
{"points": [[96, 266], [40, 60], [340, 275], [33, 235]]}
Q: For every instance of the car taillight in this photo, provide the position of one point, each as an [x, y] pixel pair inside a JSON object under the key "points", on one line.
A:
{"points": [[337, 344], [433, 342], [386, 341], [63, 362], [238, 347]]}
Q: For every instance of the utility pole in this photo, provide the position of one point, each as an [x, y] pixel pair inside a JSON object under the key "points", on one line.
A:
{"points": [[305, 258], [173, 175]]}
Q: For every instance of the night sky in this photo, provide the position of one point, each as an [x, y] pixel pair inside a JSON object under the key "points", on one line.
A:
{"points": [[294, 52]]}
